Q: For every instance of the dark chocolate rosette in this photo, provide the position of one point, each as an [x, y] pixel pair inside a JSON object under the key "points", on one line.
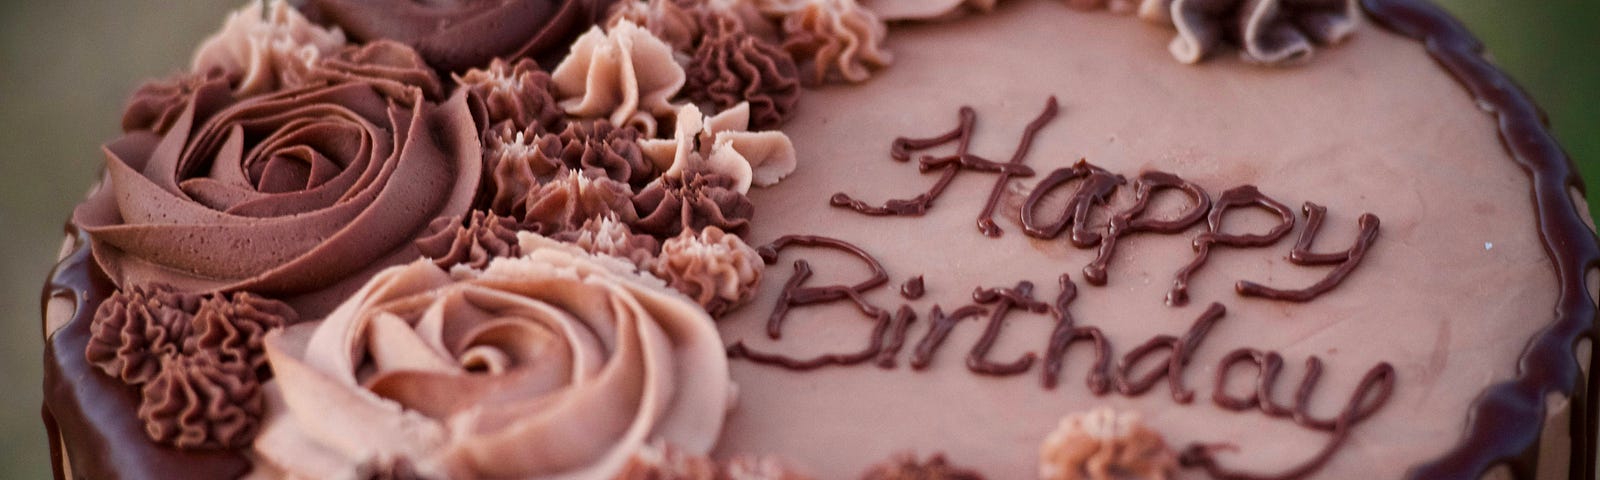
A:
{"points": [[455, 35], [282, 194]]}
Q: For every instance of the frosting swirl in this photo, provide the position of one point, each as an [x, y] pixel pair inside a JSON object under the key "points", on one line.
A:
{"points": [[455, 35], [517, 93], [834, 39], [295, 193], [720, 144], [732, 66], [472, 240], [624, 74], [262, 45], [717, 270], [554, 364]]}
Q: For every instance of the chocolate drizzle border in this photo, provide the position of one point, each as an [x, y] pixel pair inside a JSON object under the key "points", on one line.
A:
{"points": [[1504, 425], [1506, 422]]}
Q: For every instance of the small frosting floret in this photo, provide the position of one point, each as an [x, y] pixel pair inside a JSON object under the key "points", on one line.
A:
{"points": [[195, 358], [569, 200], [469, 239], [717, 270], [731, 66], [659, 461], [692, 202], [1105, 445], [608, 236], [719, 144], [519, 93], [624, 74], [832, 39]]}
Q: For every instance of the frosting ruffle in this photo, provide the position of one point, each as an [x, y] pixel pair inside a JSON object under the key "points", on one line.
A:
{"points": [[157, 104], [1274, 32], [717, 270], [392, 68], [666, 462], [692, 202], [289, 194], [518, 93], [556, 364], [455, 35], [720, 144], [731, 66], [472, 240], [263, 44], [676, 22], [625, 75], [608, 236], [194, 357], [833, 39], [1105, 445]]}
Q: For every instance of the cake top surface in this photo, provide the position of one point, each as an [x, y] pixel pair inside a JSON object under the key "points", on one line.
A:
{"points": [[793, 238]]}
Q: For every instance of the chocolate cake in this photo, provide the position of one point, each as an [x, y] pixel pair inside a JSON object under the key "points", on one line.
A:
{"points": [[786, 239]]}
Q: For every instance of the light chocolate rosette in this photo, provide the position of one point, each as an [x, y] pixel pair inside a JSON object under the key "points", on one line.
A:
{"points": [[554, 365], [284, 194]]}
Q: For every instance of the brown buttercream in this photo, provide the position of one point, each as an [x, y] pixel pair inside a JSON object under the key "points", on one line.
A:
{"points": [[455, 35], [1274, 32], [390, 67], [715, 269], [157, 104], [731, 66], [693, 202], [194, 357], [284, 194], [555, 364], [833, 39], [666, 462], [518, 93], [571, 199], [469, 239], [676, 22]]}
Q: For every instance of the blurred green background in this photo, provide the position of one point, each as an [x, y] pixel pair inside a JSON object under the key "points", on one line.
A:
{"points": [[66, 66]]}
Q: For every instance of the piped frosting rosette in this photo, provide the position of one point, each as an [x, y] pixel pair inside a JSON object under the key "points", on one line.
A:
{"points": [[281, 194], [557, 364]]}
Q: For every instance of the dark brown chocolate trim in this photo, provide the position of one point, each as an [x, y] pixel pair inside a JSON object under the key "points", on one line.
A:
{"points": [[1346, 260], [1244, 196], [1005, 300], [95, 411], [1130, 221], [913, 288], [1506, 422]]}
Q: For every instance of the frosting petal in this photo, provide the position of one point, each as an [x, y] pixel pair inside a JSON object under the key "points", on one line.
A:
{"points": [[625, 75], [715, 269], [262, 44], [555, 364], [724, 148], [392, 68], [157, 104], [455, 35]]}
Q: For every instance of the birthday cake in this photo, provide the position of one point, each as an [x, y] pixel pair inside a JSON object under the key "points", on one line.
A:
{"points": [[788, 239]]}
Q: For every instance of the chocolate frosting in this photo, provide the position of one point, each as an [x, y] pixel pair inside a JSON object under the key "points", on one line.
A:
{"points": [[283, 194], [569, 200], [519, 163], [833, 39], [457, 374], [731, 66], [720, 144], [893, 10], [908, 467], [692, 202], [1273, 32], [392, 68], [194, 357], [518, 93], [455, 35], [719, 271], [469, 239], [665, 462], [157, 104]]}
